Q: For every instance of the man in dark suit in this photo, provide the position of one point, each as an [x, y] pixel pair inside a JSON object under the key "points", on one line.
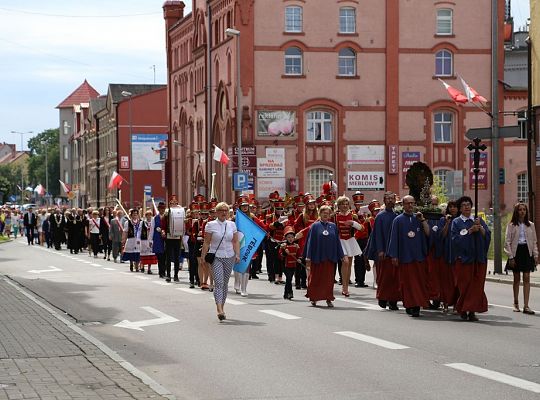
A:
{"points": [[30, 224]]}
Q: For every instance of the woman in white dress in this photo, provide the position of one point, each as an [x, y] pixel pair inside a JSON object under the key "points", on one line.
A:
{"points": [[132, 240], [147, 233], [93, 228]]}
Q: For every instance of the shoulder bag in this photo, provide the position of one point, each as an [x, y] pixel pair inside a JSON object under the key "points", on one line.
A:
{"points": [[209, 257]]}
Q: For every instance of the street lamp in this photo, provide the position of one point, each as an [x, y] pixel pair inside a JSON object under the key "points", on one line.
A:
{"points": [[129, 94], [22, 149], [234, 32], [44, 143]]}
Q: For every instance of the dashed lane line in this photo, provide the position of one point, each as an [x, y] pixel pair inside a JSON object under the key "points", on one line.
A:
{"points": [[372, 340], [497, 376], [95, 265], [280, 314], [190, 291], [362, 304], [234, 302], [109, 269]]}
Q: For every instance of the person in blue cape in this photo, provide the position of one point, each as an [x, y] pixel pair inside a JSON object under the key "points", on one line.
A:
{"points": [[470, 243], [443, 255], [388, 292], [322, 252], [408, 250]]}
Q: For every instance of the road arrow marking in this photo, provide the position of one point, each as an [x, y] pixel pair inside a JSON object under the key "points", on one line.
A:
{"points": [[162, 318], [39, 271]]}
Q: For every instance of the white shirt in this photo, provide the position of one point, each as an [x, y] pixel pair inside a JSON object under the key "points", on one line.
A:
{"points": [[522, 239], [217, 229], [464, 219], [94, 226]]}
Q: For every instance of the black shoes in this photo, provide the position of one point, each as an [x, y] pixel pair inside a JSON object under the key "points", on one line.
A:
{"points": [[176, 279], [168, 279], [383, 303], [191, 286], [392, 305], [360, 285]]}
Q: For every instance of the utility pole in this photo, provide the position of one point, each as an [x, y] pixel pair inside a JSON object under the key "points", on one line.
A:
{"points": [[47, 194]]}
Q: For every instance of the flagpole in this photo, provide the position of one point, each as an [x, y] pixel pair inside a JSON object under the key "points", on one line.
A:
{"points": [[212, 194], [154, 204]]}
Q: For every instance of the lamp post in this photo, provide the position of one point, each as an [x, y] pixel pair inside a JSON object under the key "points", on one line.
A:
{"points": [[22, 149], [233, 32], [44, 143], [129, 94]]}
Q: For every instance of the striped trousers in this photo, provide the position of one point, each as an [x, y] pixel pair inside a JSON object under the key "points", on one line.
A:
{"points": [[221, 269]]}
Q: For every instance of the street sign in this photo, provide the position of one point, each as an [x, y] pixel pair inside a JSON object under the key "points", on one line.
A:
{"points": [[240, 181], [485, 133]]}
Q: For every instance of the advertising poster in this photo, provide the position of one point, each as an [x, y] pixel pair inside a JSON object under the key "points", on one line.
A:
{"points": [[482, 175], [276, 123], [365, 155], [408, 158], [265, 186], [146, 149]]}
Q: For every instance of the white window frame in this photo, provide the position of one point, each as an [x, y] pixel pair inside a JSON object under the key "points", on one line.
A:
{"points": [[522, 123], [347, 22], [65, 127], [65, 151], [66, 176], [344, 66], [294, 19], [444, 55], [320, 119], [445, 23], [316, 177], [293, 63], [442, 176], [438, 127], [522, 187]]}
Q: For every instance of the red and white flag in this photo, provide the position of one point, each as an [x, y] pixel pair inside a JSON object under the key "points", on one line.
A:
{"points": [[220, 155], [116, 181], [472, 95], [39, 189], [65, 187], [455, 94]]}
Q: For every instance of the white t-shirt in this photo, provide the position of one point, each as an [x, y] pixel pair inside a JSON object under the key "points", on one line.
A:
{"points": [[217, 229], [93, 224]]}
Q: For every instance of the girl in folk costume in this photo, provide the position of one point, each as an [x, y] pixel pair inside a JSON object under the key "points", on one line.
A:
{"points": [[347, 222], [290, 252], [104, 228], [147, 232], [93, 228], [301, 227], [132, 240]]}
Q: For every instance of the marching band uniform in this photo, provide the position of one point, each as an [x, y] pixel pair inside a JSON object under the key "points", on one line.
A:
{"points": [[193, 225], [275, 223], [361, 236], [290, 252], [301, 226]]}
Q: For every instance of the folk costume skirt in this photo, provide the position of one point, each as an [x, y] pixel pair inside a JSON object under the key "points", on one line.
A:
{"points": [[470, 281], [321, 281]]}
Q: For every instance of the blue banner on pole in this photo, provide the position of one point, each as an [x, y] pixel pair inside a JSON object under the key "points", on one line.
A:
{"points": [[250, 236]]}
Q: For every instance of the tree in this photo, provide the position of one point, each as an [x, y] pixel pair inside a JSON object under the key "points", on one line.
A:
{"points": [[10, 181], [48, 141]]}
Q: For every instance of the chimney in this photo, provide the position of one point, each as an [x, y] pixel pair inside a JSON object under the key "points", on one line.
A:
{"points": [[173, 11]]}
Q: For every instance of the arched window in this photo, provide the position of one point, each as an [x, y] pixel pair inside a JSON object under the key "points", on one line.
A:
{"points": [[191, 85], [229, 68], [293, 19], [293, 61], [347, 20], [319, 126], [443, 127], [522, 187], [316, 178], [443, 63], [347, 62], [175, 93], [444, 21], [216, 68]]}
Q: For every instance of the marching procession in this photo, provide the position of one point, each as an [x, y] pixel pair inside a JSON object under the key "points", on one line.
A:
{"points": [[311, 244]]}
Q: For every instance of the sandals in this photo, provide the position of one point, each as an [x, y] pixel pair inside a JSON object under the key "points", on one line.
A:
{"points": [[329, 304], [221, 316], [346, 294], [516, 308], [527, 310]]}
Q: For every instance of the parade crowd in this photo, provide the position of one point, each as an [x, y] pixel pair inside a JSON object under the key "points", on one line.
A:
{"points": [[311, 245]]}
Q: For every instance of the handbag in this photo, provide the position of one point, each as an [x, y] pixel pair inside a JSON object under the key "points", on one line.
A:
{"points": [[210, 257]]}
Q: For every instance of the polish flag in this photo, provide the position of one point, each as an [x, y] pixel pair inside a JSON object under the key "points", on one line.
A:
{"points": [[39, 189], [472, 95], [116, 180], [220, 155], [455, 94], [65, 187]]}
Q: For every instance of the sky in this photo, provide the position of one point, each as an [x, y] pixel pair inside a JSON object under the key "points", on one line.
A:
{"points": [[48, 48]]}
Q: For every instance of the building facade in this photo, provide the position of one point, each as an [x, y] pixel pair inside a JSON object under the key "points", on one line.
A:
{"points": [[345, 90]]}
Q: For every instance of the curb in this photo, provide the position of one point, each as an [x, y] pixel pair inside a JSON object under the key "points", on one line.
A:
{"points": [[509, 282], [6, 241]]}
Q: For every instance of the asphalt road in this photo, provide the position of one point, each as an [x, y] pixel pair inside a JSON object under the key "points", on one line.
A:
{"points": [[270, 348]]}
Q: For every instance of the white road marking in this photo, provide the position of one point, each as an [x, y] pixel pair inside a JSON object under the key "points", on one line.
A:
{"points": [[497, 376], [158, 282], [127, 273], [362, 304], [190, 291], [91, 263], [234, 302], [39, 271], [501, 306], [95, 265], [109, 269], [142, 278], [279, 314], [373, 340], [162, 318]]}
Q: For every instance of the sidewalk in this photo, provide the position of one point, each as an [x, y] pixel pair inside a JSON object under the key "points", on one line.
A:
{"points": [[45, 356], [509, 279]]}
